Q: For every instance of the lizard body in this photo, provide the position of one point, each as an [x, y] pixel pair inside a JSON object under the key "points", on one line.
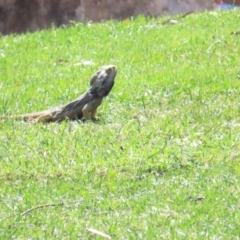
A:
{"points": [[84, 107]]}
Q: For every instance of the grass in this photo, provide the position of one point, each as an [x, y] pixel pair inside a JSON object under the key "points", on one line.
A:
{"points": [[162, 162]]}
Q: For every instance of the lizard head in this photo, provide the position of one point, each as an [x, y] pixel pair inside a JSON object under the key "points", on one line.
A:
{"points": [[103, 80]]}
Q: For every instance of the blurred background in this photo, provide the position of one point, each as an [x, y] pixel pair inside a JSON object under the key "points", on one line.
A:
{"points": [[18, 16]]}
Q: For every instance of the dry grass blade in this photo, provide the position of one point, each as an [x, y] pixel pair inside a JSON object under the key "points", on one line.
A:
{"points": [[41, 206], [47, 205], [99, 233]]}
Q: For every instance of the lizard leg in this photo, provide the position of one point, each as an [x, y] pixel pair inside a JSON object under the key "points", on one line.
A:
{"points": [[43, 118], [94, 111], [90, 109], [93, 114]]}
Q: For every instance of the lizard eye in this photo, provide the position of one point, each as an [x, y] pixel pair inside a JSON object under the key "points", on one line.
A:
{"points": [[109, 70]]}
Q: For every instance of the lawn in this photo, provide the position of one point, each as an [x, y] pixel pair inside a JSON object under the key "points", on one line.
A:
{"points": [[162, 162]]}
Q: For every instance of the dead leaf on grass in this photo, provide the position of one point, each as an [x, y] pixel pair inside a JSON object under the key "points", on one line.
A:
{"points": [[199, 199], [235, 33]]}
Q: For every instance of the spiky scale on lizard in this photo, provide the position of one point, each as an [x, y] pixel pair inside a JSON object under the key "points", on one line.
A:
{"points": [[84, 107]]}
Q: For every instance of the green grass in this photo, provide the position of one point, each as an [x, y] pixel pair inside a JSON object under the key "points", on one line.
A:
{"points": [[168, 133]]}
